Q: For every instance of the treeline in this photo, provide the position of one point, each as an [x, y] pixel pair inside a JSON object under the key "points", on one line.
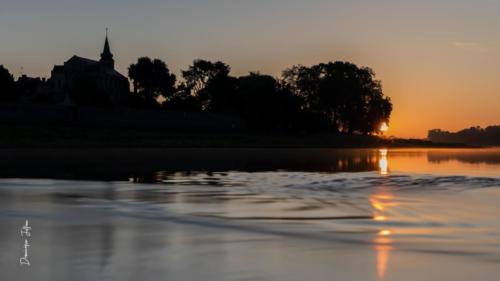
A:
{"points": [[335, 97], [489, 136], [21, 90]]}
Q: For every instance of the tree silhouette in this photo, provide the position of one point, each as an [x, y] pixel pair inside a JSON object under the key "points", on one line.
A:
{"points": [[264, 104], [7, 86], [334, 96], [201, 72], [182, 100], [489, 136], [151, 79], [211, 84], [27, 88], [219, 95], [347, 97]]}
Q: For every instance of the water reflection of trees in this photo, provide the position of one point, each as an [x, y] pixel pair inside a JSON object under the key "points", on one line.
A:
{"points": [[143, 164], [337, 163]]}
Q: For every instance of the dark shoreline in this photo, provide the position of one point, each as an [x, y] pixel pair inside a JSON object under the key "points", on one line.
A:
{"points": [[84, 137]]}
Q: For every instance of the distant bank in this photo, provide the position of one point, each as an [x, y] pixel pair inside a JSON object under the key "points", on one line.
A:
{"points": [[489, 136]]}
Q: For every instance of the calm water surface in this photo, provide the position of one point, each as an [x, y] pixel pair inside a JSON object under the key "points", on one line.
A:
{"points": [[404, 214]]}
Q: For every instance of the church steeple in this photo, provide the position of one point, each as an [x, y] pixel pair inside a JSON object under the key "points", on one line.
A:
{"points": [[107, 56]]}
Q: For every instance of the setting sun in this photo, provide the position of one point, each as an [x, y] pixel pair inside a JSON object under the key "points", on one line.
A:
{"points": [[384, 127]]}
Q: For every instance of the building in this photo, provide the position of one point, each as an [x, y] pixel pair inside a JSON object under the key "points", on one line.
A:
{"points": [[88, 82]]}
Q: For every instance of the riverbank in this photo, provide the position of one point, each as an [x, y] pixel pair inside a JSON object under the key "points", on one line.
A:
{"points": [[83, 137]]}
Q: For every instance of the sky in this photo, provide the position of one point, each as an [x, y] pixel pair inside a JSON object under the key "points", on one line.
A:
{"points": [[438, 60]]}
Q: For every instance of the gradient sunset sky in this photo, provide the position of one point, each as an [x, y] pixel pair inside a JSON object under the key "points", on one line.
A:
{"points": [[438, 60]]}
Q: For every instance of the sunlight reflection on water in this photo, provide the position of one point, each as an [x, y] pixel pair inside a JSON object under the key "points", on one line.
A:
{"points": [[383, 163], [381, 202]]}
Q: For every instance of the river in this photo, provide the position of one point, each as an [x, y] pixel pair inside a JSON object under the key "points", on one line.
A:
{"points": [[319, 214]]}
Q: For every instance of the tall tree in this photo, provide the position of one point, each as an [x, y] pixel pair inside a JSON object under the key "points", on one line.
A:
{"points": [[211, 84], [201, 72], [347, 97], [182, 100], [304, 82], [7, 85], [152, 79], [264, 104]]}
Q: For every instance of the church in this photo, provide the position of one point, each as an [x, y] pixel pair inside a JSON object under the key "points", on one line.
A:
{"points": [[89, 82]]}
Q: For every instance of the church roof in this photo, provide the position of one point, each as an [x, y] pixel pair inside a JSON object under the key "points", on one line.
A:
{"points": [[82, 60], [93, 65]]}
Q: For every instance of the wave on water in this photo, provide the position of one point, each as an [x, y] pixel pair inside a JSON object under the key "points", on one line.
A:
{"points": [[331, 182], [261, 183], [315, 206], [400, 183]]}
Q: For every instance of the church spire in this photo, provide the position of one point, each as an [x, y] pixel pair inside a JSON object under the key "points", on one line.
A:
{"points": [[107, 56]]}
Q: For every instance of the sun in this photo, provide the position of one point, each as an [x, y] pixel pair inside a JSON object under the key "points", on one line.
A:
{"points": [[384, 127]]}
